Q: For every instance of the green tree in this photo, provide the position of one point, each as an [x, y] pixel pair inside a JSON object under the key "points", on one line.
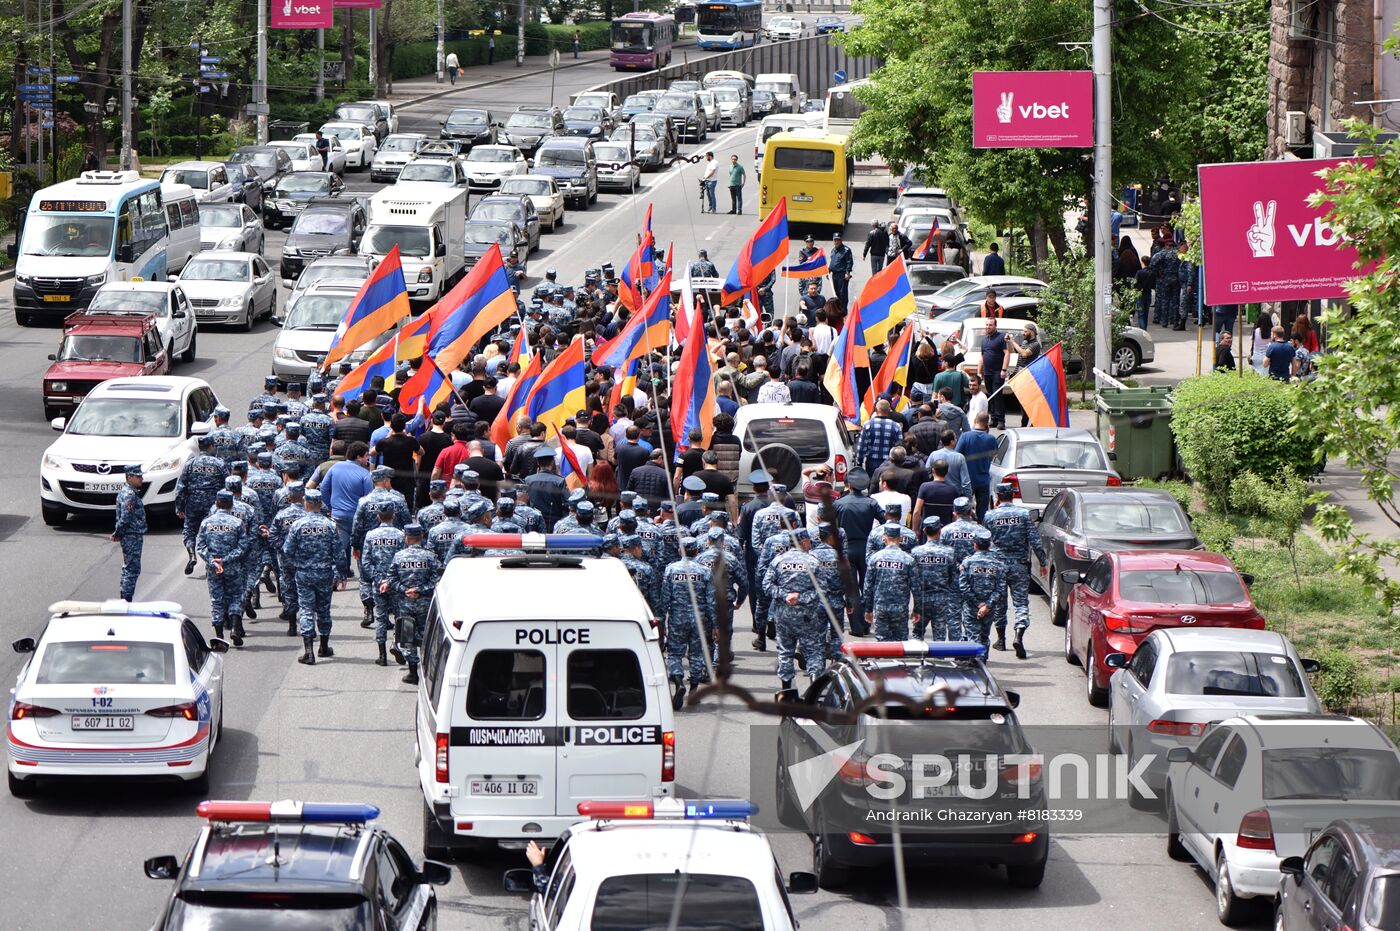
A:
{"points": [[1066, 313]]}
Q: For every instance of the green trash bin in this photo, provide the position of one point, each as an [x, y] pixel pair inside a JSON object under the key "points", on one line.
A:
{"points": [[1134, 424]]}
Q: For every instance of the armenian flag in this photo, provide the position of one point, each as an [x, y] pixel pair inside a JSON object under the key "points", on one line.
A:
{"points": [[693, 390], [847, 355], [932, 246], [892, 378], [503, 427], [558, 395], [519, 350], [482, 301], [885, 301], [1040, 387], [766, 249], [381, 362], [429, 385], [625, 385], [814, 267], [637, 272], [569, 466], [377, 307], [645, 331], [412, 339]]}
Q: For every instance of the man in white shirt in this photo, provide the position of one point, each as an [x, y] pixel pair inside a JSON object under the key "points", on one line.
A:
{"points": [[452, 66], [709, 179], [888, 497], [774, 392], [823, 335], [976, 398], [583, 453]]}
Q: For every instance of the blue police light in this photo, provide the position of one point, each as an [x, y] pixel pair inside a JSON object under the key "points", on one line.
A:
{"points": [[289, 811], [336, 813], [532, 542], [946, 649], [720, 808], [957, 648]]}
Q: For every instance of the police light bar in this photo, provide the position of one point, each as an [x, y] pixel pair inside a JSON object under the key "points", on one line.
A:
{"points": [[948, 649], [288, 811], [117, 606], [671, 808], [533, 542]]}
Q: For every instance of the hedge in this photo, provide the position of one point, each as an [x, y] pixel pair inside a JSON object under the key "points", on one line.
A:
{"points": [[416, 59]]}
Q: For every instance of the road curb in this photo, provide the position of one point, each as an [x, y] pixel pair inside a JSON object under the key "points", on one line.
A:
{"points": [[7, 274], [452, 89]]}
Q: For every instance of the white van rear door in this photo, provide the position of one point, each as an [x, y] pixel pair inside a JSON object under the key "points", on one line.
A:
{"points": [[503, 749]]}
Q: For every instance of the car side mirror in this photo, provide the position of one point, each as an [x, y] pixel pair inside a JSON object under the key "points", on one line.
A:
{"points": [[1112, 456], [440, 249], [178, 314], [1070, 577], [1013, 699], [789, 695], [1291, 866], [218, 646], [519, 881], [442, 122], [24, 645], [58, 423], [53, 357], [172, 278], [1248, 579], [275, 320], [1311, 666], [201, 428], [1179, 755], [126, 252], [1116, 660], [800, 883], [166, 867], [435, 874]]}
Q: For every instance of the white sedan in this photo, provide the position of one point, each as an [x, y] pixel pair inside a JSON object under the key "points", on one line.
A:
{"points": [[229, 287], [543, 193], [304, 155], [357, 140], [337, 151], [174, 317], [115, 688], [489, 165]]}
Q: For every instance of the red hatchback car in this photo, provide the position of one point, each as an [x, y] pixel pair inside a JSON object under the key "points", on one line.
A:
{"points": [[1124, 596]]}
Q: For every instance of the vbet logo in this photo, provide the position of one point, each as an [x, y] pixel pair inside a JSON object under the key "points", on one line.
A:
{"points": [[302, 14], [1037, 111], [1032, 109]]}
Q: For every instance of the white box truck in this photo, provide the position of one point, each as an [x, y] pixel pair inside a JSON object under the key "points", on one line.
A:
{"points": [[428, 224]]}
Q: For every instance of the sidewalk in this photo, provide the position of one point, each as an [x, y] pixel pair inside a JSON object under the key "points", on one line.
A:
{"points": [[416, 90]]}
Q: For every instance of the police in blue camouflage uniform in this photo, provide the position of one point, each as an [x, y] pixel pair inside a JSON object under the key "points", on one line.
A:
{"points": [[470, 491], [220, 543], [316, 427], [446, 538], [889, 587], [367, 517], [908, 539], [130, 529], [829, 577], [294, 452], [264, 482], [430, 514], [505, 521], [200, 479], [709, 506], [569, 521], [529, 518], [245, 505], [686, 588], [229, 444], [294, 403], [250, 430], [612, 546], [640, 568], [937, 601], [269, 395], [625, 499], [776, 543], [1014, 536], [767, 520], [669, 542], [311, 547], [720, 520], [736, 582], [791, 582], [288, 514], [412, 576], [962, 531], [380, 546], [982, 584]]}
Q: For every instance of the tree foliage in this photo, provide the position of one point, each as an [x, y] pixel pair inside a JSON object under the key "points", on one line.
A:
{"points": [[1066, 310]]}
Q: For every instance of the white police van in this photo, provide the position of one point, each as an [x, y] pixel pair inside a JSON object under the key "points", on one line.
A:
{"points": [[542, 686]]}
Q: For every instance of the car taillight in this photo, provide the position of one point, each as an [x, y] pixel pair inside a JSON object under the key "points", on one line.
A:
{"points": [[1082, 553], [187, 710], [1256, 831], [840, 464], [1122, 624], [852, 772], [1177, 728], [668, 756], [1022, 774], [763, 196], [1114, 481], [1015, 482], [862, 840], [23, 709], [440, 759]]}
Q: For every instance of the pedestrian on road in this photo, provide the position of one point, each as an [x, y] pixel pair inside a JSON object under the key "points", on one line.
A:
{"points": [[877, 241], [841, 264], [994, 264], [686, 606], [709, 180], [201, 478], [982, 583], [220, 543], [978, 447], [310, 546], [736, 184], [323, 149], [889, 582], [1146, 281], [130, 529], [412, 576], [937, 601], [452, 65], [1028, 349], [791, 584], [1224, 353], [1014, 537], [898, 244]]}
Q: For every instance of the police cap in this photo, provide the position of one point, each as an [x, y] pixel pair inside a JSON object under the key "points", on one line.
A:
{"points": [[891, 529], [478, 509], [460, 470], [1005, 489], [296, 489], [800, 534], [205, 440], [223, 496], [610, 540], [381, 473], [585, 507], [133, 469], [437, 485], [709, 497], [778, 488], [894, 507], [689, 547], [269, 381], [505, 504], [233, 483], [627, 516], [239, 466], [452, 507], [858, 479], [471, 478], [313, 496], [962, 505], [293, 428], [759, 477], [666, 507], [222, 412], [693, 483], [264, 458], [629, 540], [414, 529], [544, 452], [714, 533], [931, 523]]}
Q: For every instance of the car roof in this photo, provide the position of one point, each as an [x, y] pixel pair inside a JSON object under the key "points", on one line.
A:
{"points": [[1032, 434], [221, 254], [1284, 731], [131, 285], [339, 286], [361, 261], [622, 848], [113, 622], [311, 858], [1123, 493], [566, 142], [1223, 639], [528, 177], [1377, 836], [1191, 560], [993, 280], [100, 323], [322, 202], [823, 412], [193, 164], [916, 676], [503, 149], [148, 386]]}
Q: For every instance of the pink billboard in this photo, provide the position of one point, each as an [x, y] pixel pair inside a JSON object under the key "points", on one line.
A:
{"points": [[1032, 109], [1262, 241], [301, 14], [357, 4]]}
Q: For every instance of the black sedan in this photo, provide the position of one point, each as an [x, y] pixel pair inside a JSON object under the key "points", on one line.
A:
{"points": [[287, 200], [592, 122], [470, 124], [1082, 524]]}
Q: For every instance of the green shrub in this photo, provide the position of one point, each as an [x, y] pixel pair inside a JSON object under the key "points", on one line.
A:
{"points": [[416, 59], [1226, 425], [1341, 682], [1217, 533], [1184, 494]]}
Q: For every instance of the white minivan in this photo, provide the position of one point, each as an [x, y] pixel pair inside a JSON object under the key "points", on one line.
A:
{"points": [[785, 87], [182, 216], [529, 706]]}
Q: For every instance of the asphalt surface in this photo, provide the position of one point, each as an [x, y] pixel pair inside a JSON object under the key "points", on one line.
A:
{"points": [[342, 731]]}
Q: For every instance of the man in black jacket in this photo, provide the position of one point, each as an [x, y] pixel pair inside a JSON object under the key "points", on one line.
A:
{"points": [[841, 264], [877, 241]]}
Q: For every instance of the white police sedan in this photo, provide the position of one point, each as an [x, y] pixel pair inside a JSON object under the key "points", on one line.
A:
{"points": [[114, 689]]}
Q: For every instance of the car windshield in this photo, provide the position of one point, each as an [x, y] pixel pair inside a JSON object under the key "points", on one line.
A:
{"points": [[591, 100], [624, 133], [533, 186], [497, 210], [611, 153], [637, 100], [589, 114], [559, 157], [1059, 454], [356, 113], [305, 182], [486, 233], [114, 301], [195, 178], [958, 288], [322, 222], [807, 438], [318, 271], [238, 911], [685, 86], [215, 270], [343, 133], [490, 155], [220, 215], [772, 129], [726, 94], [411, 240], [400, 144], [760, 95], [236, 172], [427, 171], [1270, 675], [1181, 587], [776, 88], [1350, 773], [111, 662], [467, 119], [676, 103], [642, 901], [125, 417], [925, 279], [260, 159], [97, 348], [528, 121], [68, 236], [318, 312], [909, 202], [1134, 517]]}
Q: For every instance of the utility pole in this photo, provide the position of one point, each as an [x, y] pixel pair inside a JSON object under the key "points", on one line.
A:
{"points": [[441, 43], [520, 36], [1103, 184], [373, 52], [320, 65], [260, 84], [128, 69]]}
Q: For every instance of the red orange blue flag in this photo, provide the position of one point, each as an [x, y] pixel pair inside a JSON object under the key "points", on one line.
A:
{"points": [[376, 308]]}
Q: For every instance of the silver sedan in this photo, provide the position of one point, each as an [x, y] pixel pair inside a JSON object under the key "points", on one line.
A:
{"points": [[1041, 462], [230, 227]]}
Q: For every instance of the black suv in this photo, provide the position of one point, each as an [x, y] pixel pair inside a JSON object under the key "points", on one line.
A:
{"points": [[470, 124], [933, 699], [527, 127], [268, 162], [289, 865], [325, 226]]}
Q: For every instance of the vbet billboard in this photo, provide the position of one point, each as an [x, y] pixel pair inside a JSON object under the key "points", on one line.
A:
{"points": [[301, 14], [1032, 109], [1262, 241]]}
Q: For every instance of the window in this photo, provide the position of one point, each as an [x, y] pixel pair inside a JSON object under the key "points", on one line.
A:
{"points": [[172, 215], [1181, 586], [1264, 674], [1337, 772], [1231, 762], [196, 652], [1319, 862], [792, 158], [1134, 517], [113, 662], [1209, 748], [1098, 576], [1059, 454], [806, 437], [435, 651], [563, 876], [507, 685], [1144, 662], [641, 901], [1383, 903], [189, 213], [1342, 881], [605, 685], [395, 875]]}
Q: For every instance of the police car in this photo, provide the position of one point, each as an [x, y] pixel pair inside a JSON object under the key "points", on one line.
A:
{"points": [[942, 734], [115, 688], [542, 686], [629, 864], [295, 865]]}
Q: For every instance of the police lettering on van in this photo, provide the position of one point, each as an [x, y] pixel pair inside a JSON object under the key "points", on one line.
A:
{"points": [[552, 635]]}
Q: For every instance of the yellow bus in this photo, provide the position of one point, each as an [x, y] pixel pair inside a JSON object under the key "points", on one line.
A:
{"points": [[814, 171]]}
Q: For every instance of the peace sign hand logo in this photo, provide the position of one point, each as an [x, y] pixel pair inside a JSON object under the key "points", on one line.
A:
{"points": [[1004, 108], [1261, 234]]}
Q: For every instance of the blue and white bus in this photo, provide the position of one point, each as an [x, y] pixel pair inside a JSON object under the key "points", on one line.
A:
{"points": [[728, 24], [78, 235]]}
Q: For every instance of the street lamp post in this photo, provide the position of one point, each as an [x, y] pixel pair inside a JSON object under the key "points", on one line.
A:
{"points": [[1103, 183]]}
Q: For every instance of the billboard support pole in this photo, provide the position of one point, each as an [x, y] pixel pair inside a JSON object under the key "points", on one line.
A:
{"points": [[1103, 183]]}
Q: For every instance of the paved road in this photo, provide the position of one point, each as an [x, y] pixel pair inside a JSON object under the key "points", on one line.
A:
{"points": [[342, 731]]}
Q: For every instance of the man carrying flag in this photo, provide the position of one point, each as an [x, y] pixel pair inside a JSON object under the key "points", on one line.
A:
{"points": [[848, 354], [377, 308], [1040, 387], [893, 377]]}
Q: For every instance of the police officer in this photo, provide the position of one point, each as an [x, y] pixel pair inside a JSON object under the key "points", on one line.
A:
{"points": [[380, 546], [1014, 536], [767, 520], [585, 513], [570, 520], [250, 430], [229, 444], [269, 395], [982, 583], [856, 515], [937, 601], [640, 568], [710, 507], [833, 590], [735, 582], [668, 540], [310, 547], [961, 533], [546, 488], [773, 546], [689, 511], [504, 521], [294, 452], [199, 481], [316, 427], [529, 518], [471, 487], [412, 576], [130, 529], [889, 584], [625, 500], [791, 583], [295, 405], [446, 538], [908, 539], [288, 514], [381, 497], [430, 514], [220, 543], [686, 605], [245, 507]]}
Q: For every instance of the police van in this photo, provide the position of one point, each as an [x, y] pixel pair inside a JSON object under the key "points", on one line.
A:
{"points": [[542, 686]]}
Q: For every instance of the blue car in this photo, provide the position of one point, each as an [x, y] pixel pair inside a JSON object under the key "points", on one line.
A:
{"points": [[829, 24]]}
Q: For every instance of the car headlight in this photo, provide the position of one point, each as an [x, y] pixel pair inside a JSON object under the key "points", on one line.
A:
{"points": [[58, 386], [93, 281], [290, 252], [53, 462], [233, 300], [425, 275], [23, 279], [231, 242], [165, 463], [269, 185], [359, 355], [284, 354]]}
